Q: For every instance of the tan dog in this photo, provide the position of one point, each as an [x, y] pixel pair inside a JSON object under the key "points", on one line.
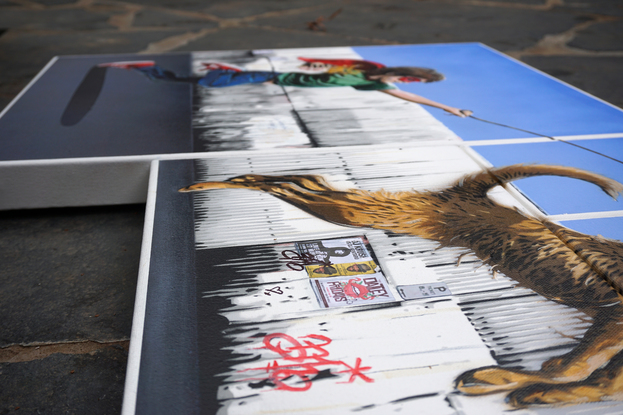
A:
{"points": [[558, 263]]}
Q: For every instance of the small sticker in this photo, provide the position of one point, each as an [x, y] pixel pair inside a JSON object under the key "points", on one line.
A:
{"points": [[428, 290], [347, 269]]}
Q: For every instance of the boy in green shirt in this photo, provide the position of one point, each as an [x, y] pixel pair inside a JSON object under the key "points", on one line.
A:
{"points": [[367, 77]]}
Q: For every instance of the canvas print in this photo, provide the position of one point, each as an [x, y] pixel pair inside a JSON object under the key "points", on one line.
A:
{"points": [[432, 255], [520, 314], [121, 105], [557, 264]]}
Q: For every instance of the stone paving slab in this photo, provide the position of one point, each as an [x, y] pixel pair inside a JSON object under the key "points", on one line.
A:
{"points": [[432, 22], [602, 36], [54, 2], [89, 383], [266, 38], [603, 7], [54, 19], [158, 18], [68, 274]]}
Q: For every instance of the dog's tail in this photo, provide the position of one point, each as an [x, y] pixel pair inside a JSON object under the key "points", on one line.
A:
{"points": [[482, 182]]}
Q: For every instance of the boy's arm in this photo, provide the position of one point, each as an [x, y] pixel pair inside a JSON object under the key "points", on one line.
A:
{"points": [[363, 65], [408, 96]]}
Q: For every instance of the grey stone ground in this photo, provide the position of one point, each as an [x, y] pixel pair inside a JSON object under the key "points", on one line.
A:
{"points": [[68, 276]]}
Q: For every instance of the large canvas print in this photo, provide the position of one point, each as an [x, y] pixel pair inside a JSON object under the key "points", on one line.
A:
{"points": [[124, 105]]}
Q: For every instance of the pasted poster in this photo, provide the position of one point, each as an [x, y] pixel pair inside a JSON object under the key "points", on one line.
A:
{"points": [[342, 272]]}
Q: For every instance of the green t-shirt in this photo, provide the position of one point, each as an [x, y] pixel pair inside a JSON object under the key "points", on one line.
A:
{"points": [[322, 80]]}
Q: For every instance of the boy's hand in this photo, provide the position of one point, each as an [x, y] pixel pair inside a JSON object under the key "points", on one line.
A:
{"points": [[459, 112]]}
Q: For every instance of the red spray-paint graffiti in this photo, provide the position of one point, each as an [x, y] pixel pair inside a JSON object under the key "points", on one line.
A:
{"points": [[302, 360]]}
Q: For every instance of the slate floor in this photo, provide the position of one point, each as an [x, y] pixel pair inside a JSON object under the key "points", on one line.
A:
{"points": [[68, 276]]}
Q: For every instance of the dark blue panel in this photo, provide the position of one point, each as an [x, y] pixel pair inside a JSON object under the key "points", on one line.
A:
{"points": [[131, 116], [168, 377]]}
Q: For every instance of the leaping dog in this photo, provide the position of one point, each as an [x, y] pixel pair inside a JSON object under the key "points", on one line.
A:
{"points": [[563, 265]]}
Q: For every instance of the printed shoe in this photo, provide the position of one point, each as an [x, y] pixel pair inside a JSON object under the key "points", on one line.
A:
{"points": [[211, 66], [128, 64]]}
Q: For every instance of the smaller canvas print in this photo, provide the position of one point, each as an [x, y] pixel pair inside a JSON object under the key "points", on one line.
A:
{"points": [[358, 250]]}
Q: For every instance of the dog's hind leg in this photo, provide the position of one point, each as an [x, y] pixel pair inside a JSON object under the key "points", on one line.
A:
{"points": [[605, 384], [601, 343]]}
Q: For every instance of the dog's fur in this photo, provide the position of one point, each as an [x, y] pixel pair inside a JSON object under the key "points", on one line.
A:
{"points": [[560, 264]]}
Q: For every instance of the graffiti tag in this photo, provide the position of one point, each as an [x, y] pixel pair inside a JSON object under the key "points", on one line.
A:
{"points": [[297, 262], [276, 290], [301, 360]]}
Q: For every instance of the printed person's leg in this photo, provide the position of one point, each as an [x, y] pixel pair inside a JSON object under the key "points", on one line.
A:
{"points": [[155, 72], [217, 78], [225, 78], [212, 66], [150, 70]]}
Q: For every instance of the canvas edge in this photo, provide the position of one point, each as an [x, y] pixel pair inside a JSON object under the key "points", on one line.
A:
{"points": [[140, 302]]}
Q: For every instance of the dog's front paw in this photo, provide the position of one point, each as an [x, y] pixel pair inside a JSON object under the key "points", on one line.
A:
{"points": [[491, 379]]}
